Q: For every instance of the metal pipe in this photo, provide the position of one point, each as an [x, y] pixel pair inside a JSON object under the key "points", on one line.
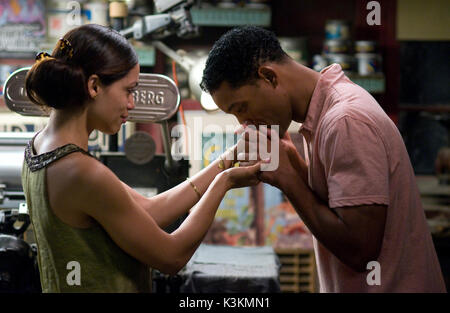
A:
{"points": [[167, 145], [185, 62], [118, 12]]}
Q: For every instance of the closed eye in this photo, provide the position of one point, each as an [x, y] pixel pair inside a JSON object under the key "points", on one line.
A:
{"points": [[238, 107], [242, 108], [131, 90]]}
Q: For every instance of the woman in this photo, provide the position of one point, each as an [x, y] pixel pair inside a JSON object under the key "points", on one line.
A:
{"points": [[83, 216]]}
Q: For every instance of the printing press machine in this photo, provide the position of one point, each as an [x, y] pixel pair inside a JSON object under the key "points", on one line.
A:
{"points": [[156, 101], [18, 264], [137, 166]]}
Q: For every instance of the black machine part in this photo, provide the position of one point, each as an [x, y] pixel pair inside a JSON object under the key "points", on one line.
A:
{"points": [[19, 270], [175, 18], [8, 220]]}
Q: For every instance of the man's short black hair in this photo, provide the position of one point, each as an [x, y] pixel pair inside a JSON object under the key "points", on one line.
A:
{"points": [[237, 55]]}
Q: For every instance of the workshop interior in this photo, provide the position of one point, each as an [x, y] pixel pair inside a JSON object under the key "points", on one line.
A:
{"points": [[257, 242]]}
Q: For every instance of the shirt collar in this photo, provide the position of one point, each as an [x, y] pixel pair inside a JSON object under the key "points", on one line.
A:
{"points": [[317, 105]]}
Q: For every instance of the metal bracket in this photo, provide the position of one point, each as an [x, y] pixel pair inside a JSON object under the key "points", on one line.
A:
{"points": [[2, 188]]}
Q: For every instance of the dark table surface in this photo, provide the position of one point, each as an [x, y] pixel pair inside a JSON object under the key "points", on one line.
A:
{"points": [[216, 268]]}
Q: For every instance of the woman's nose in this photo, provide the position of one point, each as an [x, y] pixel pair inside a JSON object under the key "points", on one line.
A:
{"points": [[130, 105]]}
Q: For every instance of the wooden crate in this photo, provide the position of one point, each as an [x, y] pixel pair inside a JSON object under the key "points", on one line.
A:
{"points": [[298, 270]]}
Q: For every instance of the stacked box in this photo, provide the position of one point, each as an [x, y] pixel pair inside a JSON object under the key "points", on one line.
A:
{"points": [[298, 270]]}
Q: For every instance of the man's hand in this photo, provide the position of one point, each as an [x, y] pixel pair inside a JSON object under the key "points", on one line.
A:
{"points": [[289, 162], [353, 234], [294, 157]]}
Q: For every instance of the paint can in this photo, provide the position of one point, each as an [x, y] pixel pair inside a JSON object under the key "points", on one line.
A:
{"points": [[62, 16], [296, 48], [368, 63], [337, 29], [344, 60], [96, 12], [336, 46], [319, 62], [365, 46]]}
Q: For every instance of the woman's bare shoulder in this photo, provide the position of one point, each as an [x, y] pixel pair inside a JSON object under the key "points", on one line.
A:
{"points": [[75, 184], [78, 174]]}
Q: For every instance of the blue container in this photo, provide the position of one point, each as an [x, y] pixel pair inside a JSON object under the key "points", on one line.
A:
{"points": [[337, 29]]}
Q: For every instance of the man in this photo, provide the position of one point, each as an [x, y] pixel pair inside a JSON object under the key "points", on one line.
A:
{"points": [[356, 191]]}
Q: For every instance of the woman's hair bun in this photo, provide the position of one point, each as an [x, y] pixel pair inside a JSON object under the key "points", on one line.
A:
{"points": [[56, 83], [60, 80]]}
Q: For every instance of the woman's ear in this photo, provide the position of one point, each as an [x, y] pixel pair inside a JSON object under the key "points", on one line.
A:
{"points": [[267, 73], [93, 85]]}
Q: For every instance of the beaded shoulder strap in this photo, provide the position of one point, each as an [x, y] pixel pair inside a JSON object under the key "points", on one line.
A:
{"points": [[37, 162]]}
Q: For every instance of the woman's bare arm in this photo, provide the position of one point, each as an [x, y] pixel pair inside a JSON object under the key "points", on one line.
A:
{"points": [[166, 207], [101, 195]]}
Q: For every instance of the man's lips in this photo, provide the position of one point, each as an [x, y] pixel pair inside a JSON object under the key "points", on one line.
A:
{"points": [[256, 124]]}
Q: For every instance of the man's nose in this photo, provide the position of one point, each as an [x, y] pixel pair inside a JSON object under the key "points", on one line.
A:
{"points": [[242, 119]]}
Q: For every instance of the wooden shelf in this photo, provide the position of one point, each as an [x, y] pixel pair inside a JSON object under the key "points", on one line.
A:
{"points": [[214, 16], [426, 108], [298, 270], [374, 84]]}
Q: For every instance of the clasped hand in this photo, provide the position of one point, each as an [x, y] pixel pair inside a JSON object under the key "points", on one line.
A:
{"points": [[264, 156]]}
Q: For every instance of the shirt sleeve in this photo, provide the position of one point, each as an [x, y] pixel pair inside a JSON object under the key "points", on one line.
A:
{"points": [[355, 163]]}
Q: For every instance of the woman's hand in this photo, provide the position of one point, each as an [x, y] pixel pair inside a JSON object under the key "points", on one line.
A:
{"points": [[243, 176], [244, 151]]}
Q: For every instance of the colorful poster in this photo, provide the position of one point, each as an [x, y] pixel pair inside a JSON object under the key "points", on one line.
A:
{"points": [[283, 226], [22, 27], [235, 222]]}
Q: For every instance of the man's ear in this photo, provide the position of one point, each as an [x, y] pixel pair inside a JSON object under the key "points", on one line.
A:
{"points": [[267, 73], [93, 85]]}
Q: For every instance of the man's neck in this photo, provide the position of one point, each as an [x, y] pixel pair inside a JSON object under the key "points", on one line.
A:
{"points": [[304, 81]]}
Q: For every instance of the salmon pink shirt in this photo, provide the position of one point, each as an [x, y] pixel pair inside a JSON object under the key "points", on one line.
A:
{"points": [[356, 156]]}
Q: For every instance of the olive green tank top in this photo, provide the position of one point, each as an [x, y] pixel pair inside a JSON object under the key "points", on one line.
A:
{"points": [[74, 259]]}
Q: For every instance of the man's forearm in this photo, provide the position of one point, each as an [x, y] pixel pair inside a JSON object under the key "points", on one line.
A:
{"points": [[323, 222]]}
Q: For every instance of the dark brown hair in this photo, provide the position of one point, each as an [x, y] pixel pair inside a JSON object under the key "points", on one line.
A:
{"points": [[60, 82]]}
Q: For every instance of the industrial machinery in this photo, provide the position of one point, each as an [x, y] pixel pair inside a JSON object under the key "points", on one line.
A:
{"points": [[173, 18], [18, 266], [156, 100]]}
